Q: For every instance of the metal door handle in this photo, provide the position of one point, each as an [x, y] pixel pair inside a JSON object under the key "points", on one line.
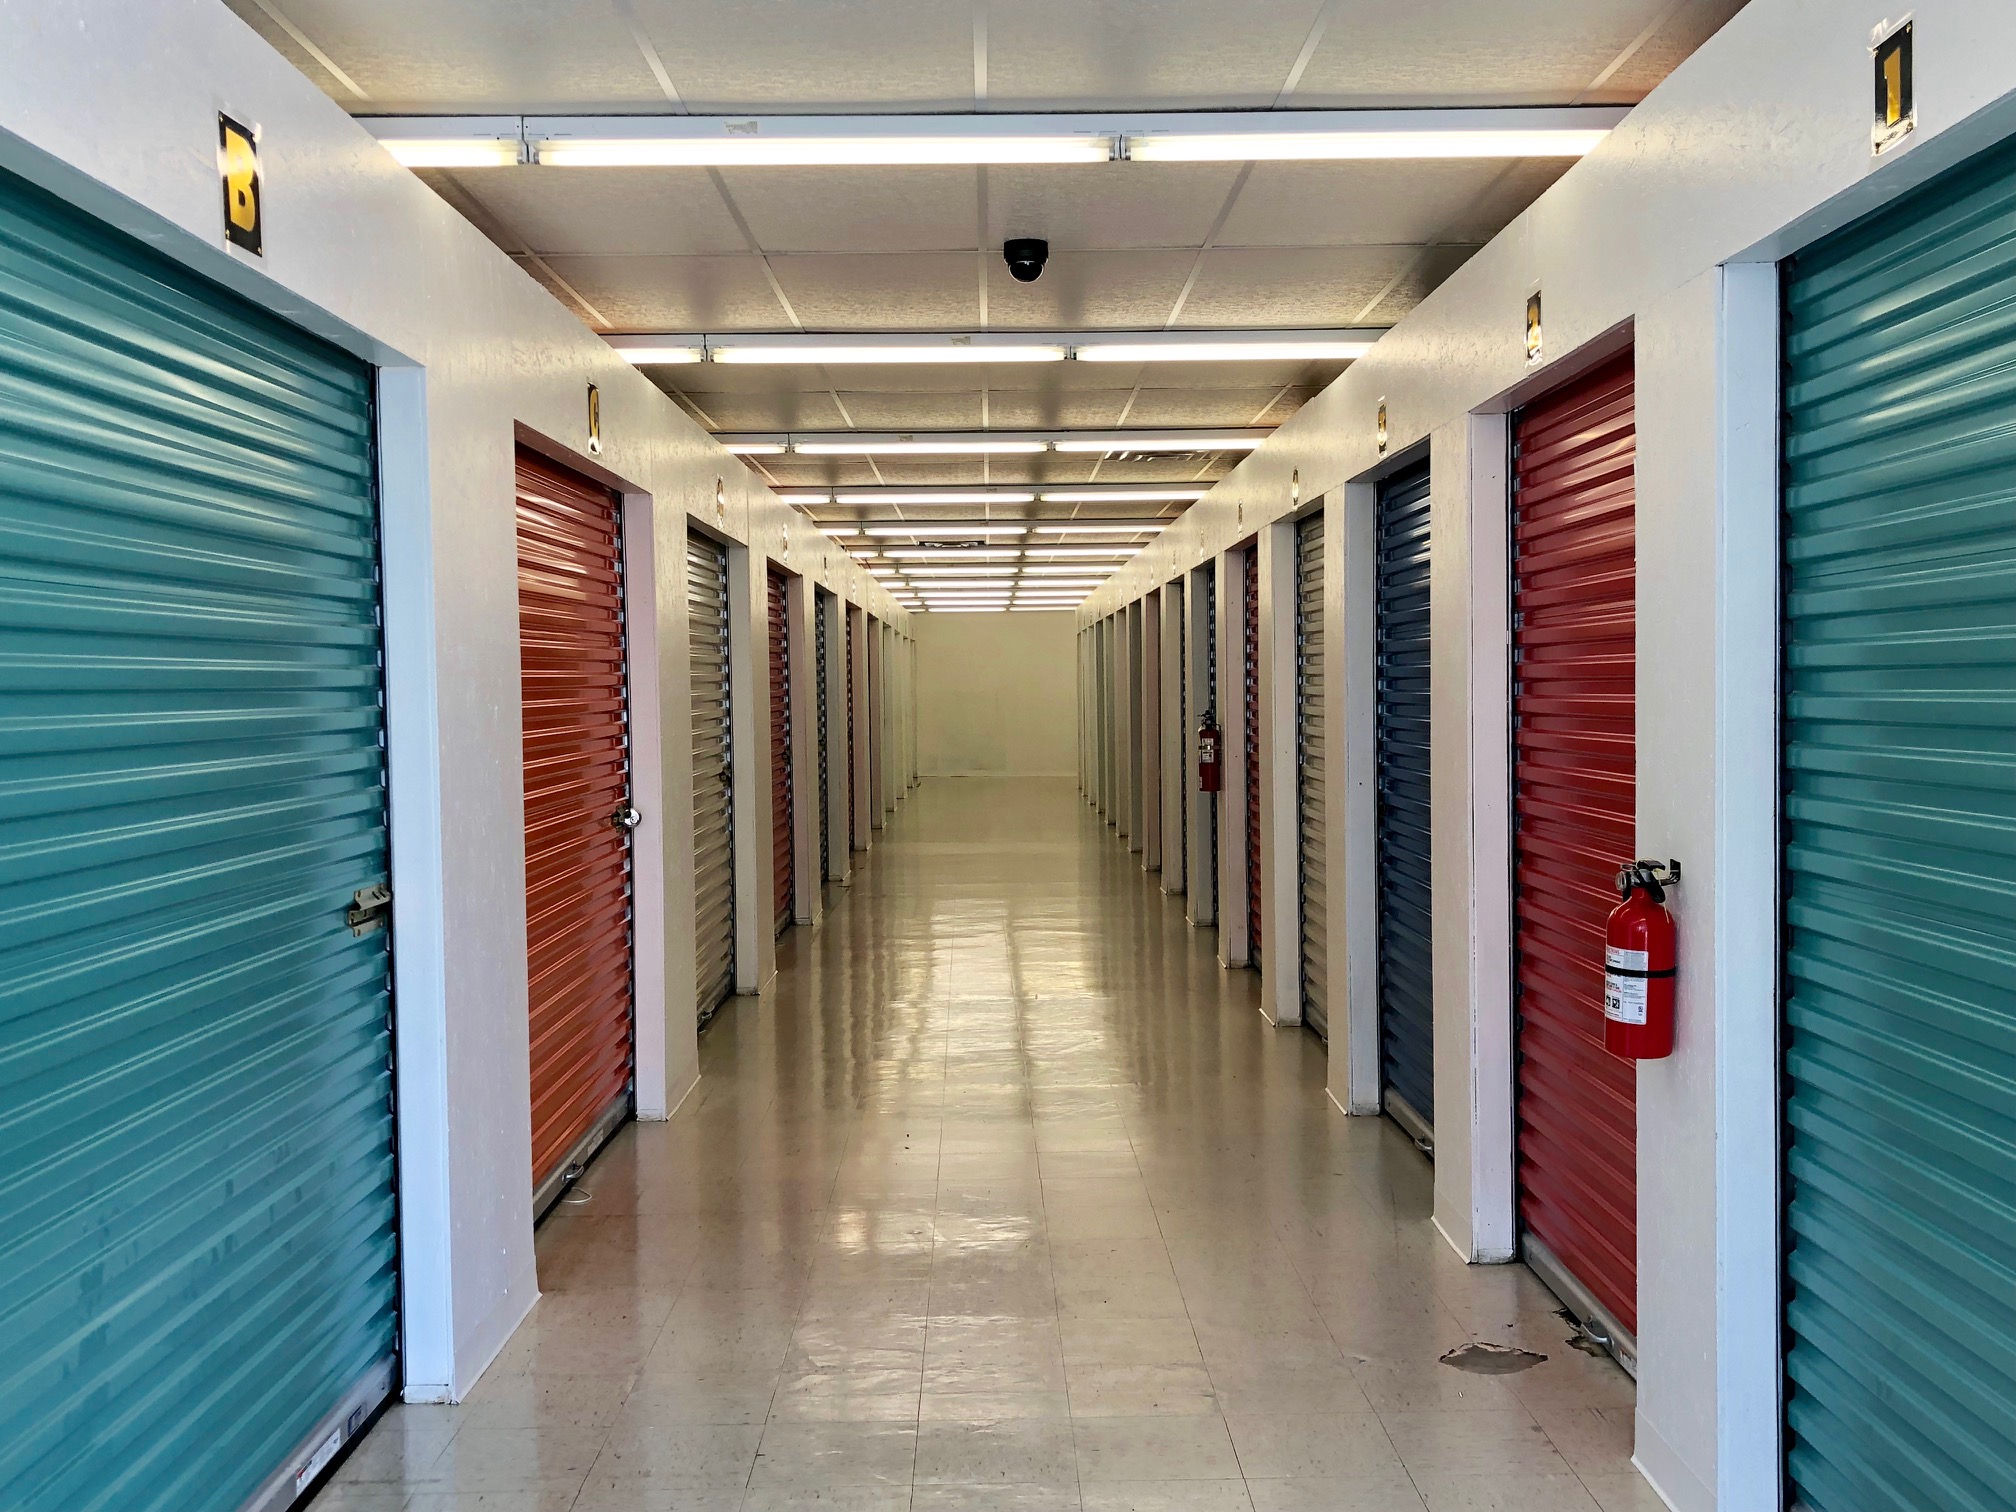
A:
{"points": [[626, 818]]}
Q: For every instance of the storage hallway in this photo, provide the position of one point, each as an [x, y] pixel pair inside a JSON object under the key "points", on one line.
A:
{"points": [[949, 756]]}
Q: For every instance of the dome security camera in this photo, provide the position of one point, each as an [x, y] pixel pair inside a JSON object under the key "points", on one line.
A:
{"points": [[1025, 256]]}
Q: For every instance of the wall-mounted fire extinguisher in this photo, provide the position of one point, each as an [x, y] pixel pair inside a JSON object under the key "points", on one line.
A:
{"points": [[1640, 962], [1207, 756]]}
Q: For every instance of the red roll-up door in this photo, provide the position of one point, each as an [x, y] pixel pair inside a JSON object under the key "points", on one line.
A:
{"points": [[850, 726], [1574, 767], [1250, 653], [782, 849], [577, 802]]}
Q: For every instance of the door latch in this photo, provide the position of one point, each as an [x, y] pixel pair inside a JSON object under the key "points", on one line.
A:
{"points": [[626, 818], [370, 908]]}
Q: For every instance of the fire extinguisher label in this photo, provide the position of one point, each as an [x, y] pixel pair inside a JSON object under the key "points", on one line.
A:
{"points": [[1624, 996]]}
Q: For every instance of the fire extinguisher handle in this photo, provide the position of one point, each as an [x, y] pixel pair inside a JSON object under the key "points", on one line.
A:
{"points": [[1654, 876]]}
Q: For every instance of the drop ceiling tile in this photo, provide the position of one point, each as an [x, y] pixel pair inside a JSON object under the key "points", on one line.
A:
{"points": [[820, 472], [1359, 204], [1290, 286], [886, 410], [675, 293], [1690, 26], [1468, 52], [1421, 280], [1142, 54], [814, 55], [1108, 206], [477, 55], [901, 291], [859, 209], [793, 410], [1503, 200], [1056, 409], [673, 212], [1209, 406], [1089, 291]]}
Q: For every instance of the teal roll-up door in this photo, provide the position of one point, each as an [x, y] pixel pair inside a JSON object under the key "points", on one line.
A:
{"points": [[1899, 833], [197, 1265]]}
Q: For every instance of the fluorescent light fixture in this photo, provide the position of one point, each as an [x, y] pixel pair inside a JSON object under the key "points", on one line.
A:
{"points": [[988, 571], [756, 449], [966, 609], [665, 141], [1348, 136], [799, 497], [979, 528], [915, 448], [1164, 441], [839, 532], [1126, 496], [452, 141], [1097, 527], [954, 554], [659, 351], [1048, 552], [942, 496], [1227, 346], [1038, 608], [933, 348], [1084, 570], [448, 153]]}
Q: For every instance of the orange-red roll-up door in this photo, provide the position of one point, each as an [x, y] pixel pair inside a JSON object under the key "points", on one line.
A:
{"points": [[782, 849], [1574, 765], [1250, 658], [577, 802]]}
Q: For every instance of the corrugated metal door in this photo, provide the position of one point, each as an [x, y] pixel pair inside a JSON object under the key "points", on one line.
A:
{"points": [[851, 654], [1406, 976], [580, 1002], [1250, 671], [713, 773], [198, 1269], [783, 827], [1899, 832], [1574, 764], [1309, 766], [820, 600], [1224, 735]]}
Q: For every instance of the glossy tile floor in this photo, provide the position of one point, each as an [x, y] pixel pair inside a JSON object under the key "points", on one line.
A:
{"points": [[1006, 1198]]}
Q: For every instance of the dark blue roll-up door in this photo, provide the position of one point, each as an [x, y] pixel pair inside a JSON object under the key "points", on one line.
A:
{"points": [[197, 1265], [1899, 830], [1406, 980]]}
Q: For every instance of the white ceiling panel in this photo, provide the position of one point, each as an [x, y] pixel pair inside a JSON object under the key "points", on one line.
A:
{"points": [[1159, 54], [1213, 406], [901, 291], [517, 56], [807, 56], [910, 410], [675, 293], [858, 209], [796, 409], [1370, 203], [1468, 52], [1057, 409], [1113, 291], [1693, 24], [664, 211], [1108, 206], [1289, 286]]}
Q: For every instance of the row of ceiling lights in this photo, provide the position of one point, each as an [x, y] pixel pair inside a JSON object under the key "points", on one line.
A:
{"points": [[662, 349], [659, 141], [861, 498], [991, 443]]}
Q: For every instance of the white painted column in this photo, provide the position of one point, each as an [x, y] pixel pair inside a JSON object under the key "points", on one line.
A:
{"points": [[1232, 837], [1174, 771], [878, 736], [860, 769], [1125, 771], [1350, 715], [749, 736], [1280, 839], [833, 612]]}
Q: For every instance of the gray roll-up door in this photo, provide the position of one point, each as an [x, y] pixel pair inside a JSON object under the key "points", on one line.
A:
{"points": [[1406, 978], [199, 1261], [713, 774], [1309, 769], [1899, 836]]}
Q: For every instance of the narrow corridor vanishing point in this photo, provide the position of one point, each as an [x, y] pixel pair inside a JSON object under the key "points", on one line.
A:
{"points": [[1006, 1197]]}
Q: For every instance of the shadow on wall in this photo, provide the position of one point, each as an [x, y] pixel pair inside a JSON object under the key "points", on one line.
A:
{"points": [[997, 695]]}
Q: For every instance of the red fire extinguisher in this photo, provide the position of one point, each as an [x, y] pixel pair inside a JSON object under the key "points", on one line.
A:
{"points": [[1207, 756], [1640, 962]]}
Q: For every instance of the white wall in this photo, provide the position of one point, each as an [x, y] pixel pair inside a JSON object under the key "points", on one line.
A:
{"points": [[1754, 147], [996, 694], [113, 105]]}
